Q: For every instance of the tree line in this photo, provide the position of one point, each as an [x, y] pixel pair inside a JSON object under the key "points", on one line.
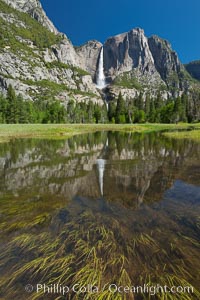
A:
{"points": [[154, 110], [14, 109]]}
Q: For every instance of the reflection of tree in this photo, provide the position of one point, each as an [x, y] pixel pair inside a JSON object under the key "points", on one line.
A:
{"points": [[140, 166], [109, 240], [147, 165]]}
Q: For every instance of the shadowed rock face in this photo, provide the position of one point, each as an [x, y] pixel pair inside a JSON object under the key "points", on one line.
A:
{"points": [[193, 69], [166, 60]]}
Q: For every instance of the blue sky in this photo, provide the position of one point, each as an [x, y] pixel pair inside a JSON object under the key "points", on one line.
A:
{"points": [[175, 20]]}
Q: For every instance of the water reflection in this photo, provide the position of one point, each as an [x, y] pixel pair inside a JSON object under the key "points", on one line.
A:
{"points": [[119, 207], [137, 167], [101, 168]]}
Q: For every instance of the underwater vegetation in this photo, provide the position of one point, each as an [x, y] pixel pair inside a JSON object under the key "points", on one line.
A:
{"points": [[57, 228], [85, 248]]}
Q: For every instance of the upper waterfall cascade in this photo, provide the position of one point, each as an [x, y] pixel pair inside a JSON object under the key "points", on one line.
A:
{"points": [[101, 81]]}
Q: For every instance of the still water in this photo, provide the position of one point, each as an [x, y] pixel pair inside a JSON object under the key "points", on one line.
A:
{"points": [[99, 211]]}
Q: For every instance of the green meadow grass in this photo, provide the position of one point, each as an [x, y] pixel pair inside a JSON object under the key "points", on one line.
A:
{"points": [[193, 134], [55, 131]]}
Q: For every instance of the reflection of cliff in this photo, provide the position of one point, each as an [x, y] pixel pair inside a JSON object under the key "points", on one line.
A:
{"points": [[145, 170], [63, 170], [138, 167]]}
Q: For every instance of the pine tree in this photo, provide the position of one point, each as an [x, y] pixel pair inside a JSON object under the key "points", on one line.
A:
{"points": [[184, 101], [139, 116], [177, 109], [21, 110], [90, 110], [152, 113], [120, 109], [97, 113], [147, 106], [71, 111], [3, 109], [141, 102], [158, 101], [111, 111], [167, 113], [12, 106], [130, 111]]}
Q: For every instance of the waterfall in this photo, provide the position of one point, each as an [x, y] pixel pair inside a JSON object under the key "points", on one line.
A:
{"points": [[101, 82], [101, 169]]}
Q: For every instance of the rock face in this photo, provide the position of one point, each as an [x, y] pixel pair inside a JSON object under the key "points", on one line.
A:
{"points": [[132, 62], [128, 51], [33, 8], [193, 69], [165, 59], [150, 60], [131, 55], [34, 70], [166, 62], [89, 56], [65, 53], [28, 79]]}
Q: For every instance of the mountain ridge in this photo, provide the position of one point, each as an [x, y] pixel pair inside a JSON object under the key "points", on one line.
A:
{"points": [[39, 61], [33, 8], [31, 55], [193, 69]]}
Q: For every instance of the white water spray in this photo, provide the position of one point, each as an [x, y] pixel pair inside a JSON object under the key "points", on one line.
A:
{"points": [[101, 168], [101, 82]]}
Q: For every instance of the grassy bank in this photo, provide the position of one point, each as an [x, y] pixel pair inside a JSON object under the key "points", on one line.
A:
{"points": [[193, 134], [10, 131]]}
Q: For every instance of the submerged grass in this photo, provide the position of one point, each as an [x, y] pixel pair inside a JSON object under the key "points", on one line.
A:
{"points": [[85, 251], [57, 131], [90, 247]]}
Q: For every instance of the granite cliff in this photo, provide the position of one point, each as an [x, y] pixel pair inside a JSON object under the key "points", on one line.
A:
{"points": [[134, 62], [33, 8], [39, 61], [193, 69]]}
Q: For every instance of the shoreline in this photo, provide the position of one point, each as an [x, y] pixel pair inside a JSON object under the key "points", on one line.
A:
{"points": [[62, 131]]}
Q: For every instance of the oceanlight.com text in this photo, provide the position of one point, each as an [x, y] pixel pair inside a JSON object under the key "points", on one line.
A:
{"points": [[110, 288]]}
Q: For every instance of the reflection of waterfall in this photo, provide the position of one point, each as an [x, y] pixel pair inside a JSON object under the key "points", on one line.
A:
{"points": [[106, 105], [101, 168], [145, 187], [101, 82], [107, 143]]}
